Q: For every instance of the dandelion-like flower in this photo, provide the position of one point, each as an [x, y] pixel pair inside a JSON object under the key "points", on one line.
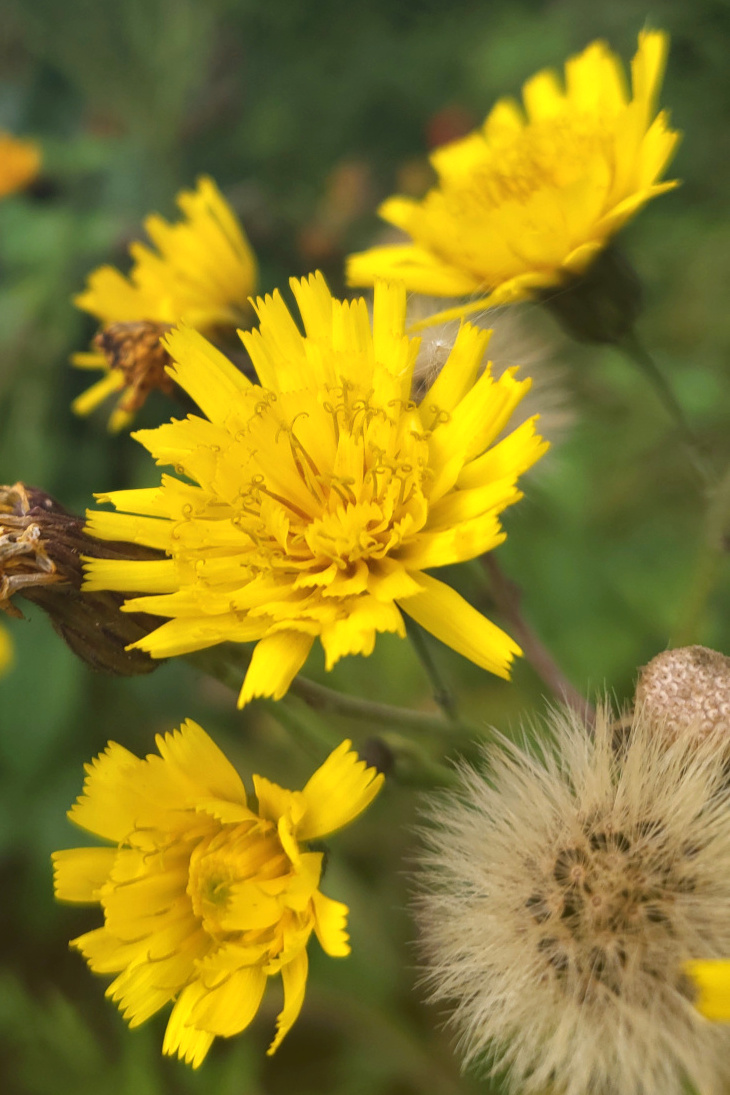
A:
{"points": [[205, 895], [20, 161], [561, 893], [201, 274], [322, 494], [529, 201]]}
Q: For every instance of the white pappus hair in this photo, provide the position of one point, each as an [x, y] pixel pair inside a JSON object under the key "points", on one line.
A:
{"points": [[560, 890]]}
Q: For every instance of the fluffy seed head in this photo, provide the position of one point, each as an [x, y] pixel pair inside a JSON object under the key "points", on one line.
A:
{"points": [[514, 342], [559, 895], [687, 691]]}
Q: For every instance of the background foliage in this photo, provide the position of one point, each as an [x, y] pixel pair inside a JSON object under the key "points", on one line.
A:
{"points": [[307, 115]]}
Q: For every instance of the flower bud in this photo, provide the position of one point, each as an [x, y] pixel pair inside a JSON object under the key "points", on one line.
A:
{"points": [[602, 304], [687, 691]]}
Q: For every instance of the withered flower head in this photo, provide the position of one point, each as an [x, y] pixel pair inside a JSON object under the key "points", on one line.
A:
{"points": [[41, 545], [137, 358]]}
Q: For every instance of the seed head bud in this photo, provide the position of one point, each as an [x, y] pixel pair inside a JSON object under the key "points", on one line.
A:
{"points": [[687, 690], [41, 545]]}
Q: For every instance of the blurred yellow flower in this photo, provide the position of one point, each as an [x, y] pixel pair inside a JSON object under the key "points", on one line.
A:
{"points": [[321, 495], [6, 650], [20, 161], [202, 274], [712, 981], [205, 896], [532, 198]]}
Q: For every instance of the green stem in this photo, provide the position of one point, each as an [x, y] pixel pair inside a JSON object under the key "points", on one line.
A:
{"points": [[411, 763], [638, 355], [313, 730], [326, 699], [711, 557], [323, 699], [442, 693]]}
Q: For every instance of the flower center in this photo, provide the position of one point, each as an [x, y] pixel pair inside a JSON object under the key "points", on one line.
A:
{"points": [[224, 863], [551, 154], [340, 480], [603, 910]]}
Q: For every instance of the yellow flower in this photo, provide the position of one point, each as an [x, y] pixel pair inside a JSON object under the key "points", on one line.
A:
{"points": [[20, 161], [205, 896], [6, 651], [321, 495], [202, 274], [531, 199], [712, 980]]}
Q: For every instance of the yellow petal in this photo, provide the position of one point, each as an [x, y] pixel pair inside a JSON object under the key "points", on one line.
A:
{"points": [[181, 1038], [94, 396], [275, 662], [109, 804], [455, 545], [458, 373], [420, 270], [228, 1005], [138, 576], [330, 925], [197, 766], [712, 978], [443, 612], [337, 792], [107, 954], [275, 802], [205, 373], [294, 979], [79, 873]]}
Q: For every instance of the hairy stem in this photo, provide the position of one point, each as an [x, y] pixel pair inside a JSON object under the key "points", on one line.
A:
{"points": [[220, 665], [507, 597]]}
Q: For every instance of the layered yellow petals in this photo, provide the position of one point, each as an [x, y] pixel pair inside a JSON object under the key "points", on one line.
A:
{"points": [[533, 196], [20, 161], [315, 499], [204, 897], [202, 273], [712, 981]]}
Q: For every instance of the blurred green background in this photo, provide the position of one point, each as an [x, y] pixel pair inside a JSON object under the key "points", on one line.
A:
{"points": [[307, 115]]}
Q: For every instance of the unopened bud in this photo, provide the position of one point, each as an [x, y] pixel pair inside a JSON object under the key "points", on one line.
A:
{"points": [[687, 690], [41, 545]]}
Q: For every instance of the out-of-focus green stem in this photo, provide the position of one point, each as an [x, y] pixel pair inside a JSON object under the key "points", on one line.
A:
{"points": [[442, 694], [631, 346], [711, 556], [507, 596]]}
